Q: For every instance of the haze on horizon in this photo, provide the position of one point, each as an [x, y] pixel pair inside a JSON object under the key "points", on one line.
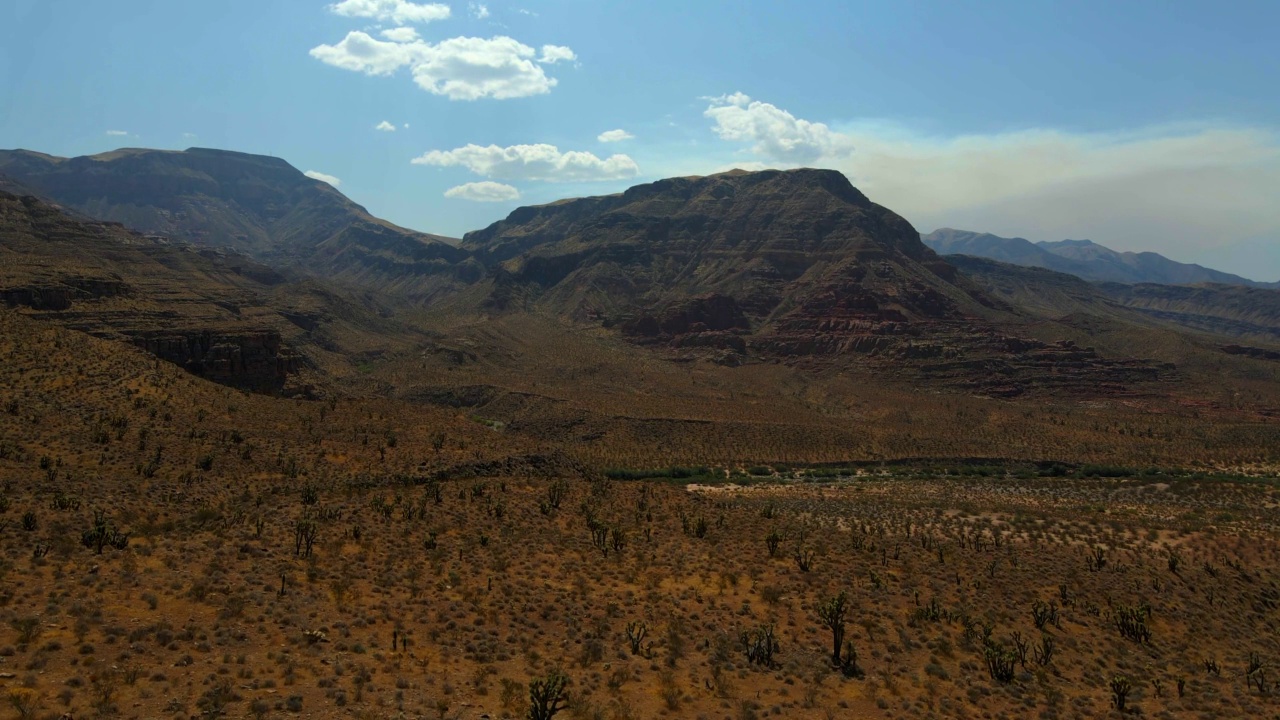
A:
{"points": [[1143, 126]]}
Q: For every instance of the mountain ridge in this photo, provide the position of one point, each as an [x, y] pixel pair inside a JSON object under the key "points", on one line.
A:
{"points": [[256, 204], [1082, 258]]}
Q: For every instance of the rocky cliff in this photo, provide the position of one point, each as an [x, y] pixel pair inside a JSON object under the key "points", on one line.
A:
{"points": [[196, 308]]}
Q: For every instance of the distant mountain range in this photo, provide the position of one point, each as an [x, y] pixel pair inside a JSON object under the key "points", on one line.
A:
{"points": [[1082, 258], [796, 269], [258, 205]]}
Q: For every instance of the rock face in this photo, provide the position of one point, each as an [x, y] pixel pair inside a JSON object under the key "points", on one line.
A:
{"points": [[795, 266], [195, 308], [1252, 313], [258, 205]]}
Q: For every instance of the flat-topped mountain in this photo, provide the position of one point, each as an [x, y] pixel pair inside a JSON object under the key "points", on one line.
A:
{"points": [[1082, 258], [259, 205], [786, 265]]}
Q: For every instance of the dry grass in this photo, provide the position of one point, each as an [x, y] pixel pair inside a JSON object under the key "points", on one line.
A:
{"points": [[491, 586]]}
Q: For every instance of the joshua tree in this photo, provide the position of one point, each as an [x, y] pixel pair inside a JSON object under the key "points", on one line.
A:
{"points": [[556, 493], [546, 695], [636, 632], [833, 611], [1256, 673], [804, 558], [999, 661], [1120, 688], [771, 541], [305, 533], [1044, 651], [760, 645], [102, 534]]}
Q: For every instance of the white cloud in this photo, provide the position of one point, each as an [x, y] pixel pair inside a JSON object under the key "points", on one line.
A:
{"points": [[1186, 191], [532, 162], [776, 133], [398, 11], [464, 68], [117, 133], [552, 54], [359, 52], [483, 191], [400, 34], [322, 177], [461, 68], [614, 136], [479, 11], [189, 136], [385, 126], [406, 126]]}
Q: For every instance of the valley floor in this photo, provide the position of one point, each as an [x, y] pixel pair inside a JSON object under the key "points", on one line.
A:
{"points": [[444, 599]]}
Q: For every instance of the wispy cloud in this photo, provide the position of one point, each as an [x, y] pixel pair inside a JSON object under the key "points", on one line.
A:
{"points": [[117, 133], [1177, 190], [323, 177], [610, 136], [532, 162], [385, 126], [483, 191], [398, 11]]}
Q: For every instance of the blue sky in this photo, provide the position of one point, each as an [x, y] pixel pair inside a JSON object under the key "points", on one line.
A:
{"points": [[1141, 125]]}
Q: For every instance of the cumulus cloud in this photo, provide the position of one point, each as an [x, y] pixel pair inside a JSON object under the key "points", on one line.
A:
{"points": [[400, 34], [359, 52], [398, 11], [774, 132], [461, 68], [117, 133], [385, 126], [532, 162], [1192, 192], [465, 68], [479, 11], [552, 54], [322, 177], [483, 191], [614, 136]]}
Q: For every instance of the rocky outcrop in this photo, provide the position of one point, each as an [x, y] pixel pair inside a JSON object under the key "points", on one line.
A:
{"points": [[254, 361], [201, 309]]}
